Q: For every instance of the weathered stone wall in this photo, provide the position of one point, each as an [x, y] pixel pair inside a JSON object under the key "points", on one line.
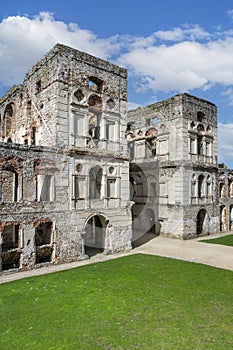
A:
{"points": [[66, 121], [181, 134]]}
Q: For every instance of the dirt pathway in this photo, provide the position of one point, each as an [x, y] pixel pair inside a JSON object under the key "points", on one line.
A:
{"points": [[191, 250]]}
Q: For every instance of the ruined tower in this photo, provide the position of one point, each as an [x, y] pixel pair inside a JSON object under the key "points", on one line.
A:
{"points": [[176, 140], [64, 166]]}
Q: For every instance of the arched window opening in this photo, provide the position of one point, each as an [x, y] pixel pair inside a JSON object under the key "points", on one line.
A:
{"points": [[131, 126], [95, 238], [95, 84], [95, 182], [192, 125], [78, 95], [200, 116], [201, 129], [94, 128], [95, 104], [151, 132], [7, 121], [111, 103], [201, 186]]}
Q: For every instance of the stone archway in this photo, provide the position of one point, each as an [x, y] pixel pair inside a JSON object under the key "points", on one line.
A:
{"points": [[95, 236], [201, 221]]}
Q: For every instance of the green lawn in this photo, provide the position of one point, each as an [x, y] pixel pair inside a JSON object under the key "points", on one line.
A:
{"points": [[226, 240], [135, 302]]}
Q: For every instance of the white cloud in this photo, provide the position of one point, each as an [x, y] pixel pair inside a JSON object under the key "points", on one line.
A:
{"points": [[229, 94], [181, 59], [186, 32], [133, 105], [225, 144], [24, 40], [182, 66]]}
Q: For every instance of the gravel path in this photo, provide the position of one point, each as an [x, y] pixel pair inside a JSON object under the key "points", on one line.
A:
{"points": [[190, 250]]}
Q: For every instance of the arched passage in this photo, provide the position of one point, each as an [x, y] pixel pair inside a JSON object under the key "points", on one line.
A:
{"points": [[95, 236], [201, 221]]}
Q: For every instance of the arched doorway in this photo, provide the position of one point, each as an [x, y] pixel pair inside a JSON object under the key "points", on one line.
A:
{"points": [[95, 236], [201, 222]]}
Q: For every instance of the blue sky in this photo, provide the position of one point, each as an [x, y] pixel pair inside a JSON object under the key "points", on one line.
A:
{"points": [[168, 46]]}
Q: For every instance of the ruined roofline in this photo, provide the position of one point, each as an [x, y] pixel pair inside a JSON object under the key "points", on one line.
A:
{"points": [[79, 56], [150, 109], [10, 92]]}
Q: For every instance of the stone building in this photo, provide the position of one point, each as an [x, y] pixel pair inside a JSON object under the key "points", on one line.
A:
{"points": [[225, 190], [78, 174], [173, 168], [64, 166]]}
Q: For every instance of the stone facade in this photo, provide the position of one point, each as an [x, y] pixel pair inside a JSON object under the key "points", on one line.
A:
{"points": [[225, 191], [173, 143], [64, 166], [78, 174]]}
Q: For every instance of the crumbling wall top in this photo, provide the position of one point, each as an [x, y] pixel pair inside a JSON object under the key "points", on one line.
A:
{"points": [[13, 90], [169, 107], [79, 56]]}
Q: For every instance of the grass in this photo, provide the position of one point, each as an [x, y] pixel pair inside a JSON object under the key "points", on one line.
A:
{"points": [[226, 240], [134, 302]]}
